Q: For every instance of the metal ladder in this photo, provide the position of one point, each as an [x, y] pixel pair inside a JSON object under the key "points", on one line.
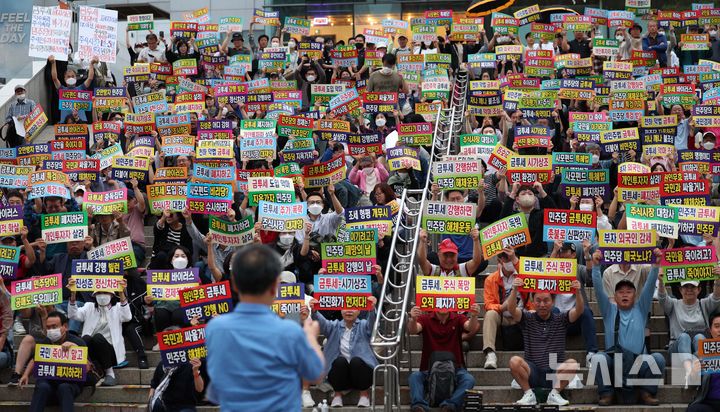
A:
{"points": [[458, 101], [388, 331]]}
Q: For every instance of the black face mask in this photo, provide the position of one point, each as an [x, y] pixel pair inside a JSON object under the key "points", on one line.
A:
{"points": [[359, 46]]}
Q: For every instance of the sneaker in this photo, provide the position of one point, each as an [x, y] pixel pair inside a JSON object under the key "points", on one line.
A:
{"points": [[554, 398], [121, 365], [588, 358], [528, 399], [109, 381], [337, 402], [14, 380], [307, 400], [491, 360], [18, 327], [156, 347], [364, 402], [515, 385], [576, 383], [143, 363]]}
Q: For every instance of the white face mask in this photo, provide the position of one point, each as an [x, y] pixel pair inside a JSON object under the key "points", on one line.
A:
{"points": [[291, 44], [586, 207], [619, 37], [709, 145], [103, 299], [54, 334], [21, 97], [311, 78], [71, 81], [275, 44], [526, 200], [147, 90], [315, 209], [180, 263], [234, 125], [595, 159], [380, 122], [79, 200], [508, 267], [285, 240], [713, 33], [224, 111], [369, 170]]}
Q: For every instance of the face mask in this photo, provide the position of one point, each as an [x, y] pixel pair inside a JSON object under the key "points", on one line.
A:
{"points": [[310, 78], [586, 207], [285, 240], [54, 334], [275, 44], [71, 81], [403, 175], [380, 122], [291, 44], [359, 46], [619, 37], [386, 70], [180, 263], [234, 125], [103, 299], [21, 97], [595, 158], [147, 90], [709, 145], [224, 111], [369, 170], [713, 33], [315, 209], [526, 200], [79, 200], [508, 267]]}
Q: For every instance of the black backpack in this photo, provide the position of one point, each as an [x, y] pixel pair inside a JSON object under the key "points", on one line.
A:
{"points": [[441, 377]]}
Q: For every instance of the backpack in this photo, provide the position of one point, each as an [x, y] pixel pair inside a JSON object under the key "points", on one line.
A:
{"points": [[441, 377]]}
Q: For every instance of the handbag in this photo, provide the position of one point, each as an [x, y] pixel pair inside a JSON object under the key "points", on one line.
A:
{"points": [[156, 403]]}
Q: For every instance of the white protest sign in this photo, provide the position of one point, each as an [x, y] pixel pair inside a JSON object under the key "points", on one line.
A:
{"points": [[97, 34], [50, 33]]}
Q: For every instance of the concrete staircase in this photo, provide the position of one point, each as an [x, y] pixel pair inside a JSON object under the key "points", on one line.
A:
{"points": [[133, 384]]}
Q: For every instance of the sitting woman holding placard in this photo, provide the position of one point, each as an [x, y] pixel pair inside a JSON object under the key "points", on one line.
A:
{"points": [[102, 327]]}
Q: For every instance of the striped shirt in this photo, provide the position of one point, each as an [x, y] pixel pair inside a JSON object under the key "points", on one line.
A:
{"points": [[173, 236], [544, 337], [19, 109]]}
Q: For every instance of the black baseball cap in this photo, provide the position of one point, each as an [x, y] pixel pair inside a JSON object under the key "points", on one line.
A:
{"points": [[568, 246], [624, 282], [237, 36]]}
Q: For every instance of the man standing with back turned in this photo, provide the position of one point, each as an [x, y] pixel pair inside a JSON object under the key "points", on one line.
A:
{"points": [[255, 358]]}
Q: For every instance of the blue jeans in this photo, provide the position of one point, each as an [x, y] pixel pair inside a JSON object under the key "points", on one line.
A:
{"points": [[606, 388], [463, 382], [585, 325], [684, 344]]}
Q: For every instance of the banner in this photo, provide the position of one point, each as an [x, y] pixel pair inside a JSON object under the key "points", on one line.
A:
{"points": [[569, 225], [325, 173], [64, 227], [171, 196], [688, 264], [709, 355], [271, 189], [370, 217], [120, 249], [348, 258], [415, 134], [178, 346], [698, 220], [165, 284], [106, 155], [343, 292], [206, 301], [627, 246], [15, 177], [449, 218], [9, 261], [402, 157], [34, 122], [138, 22], [457, 174], [40, 290], [11, 220], [663, 219], [585, 183], [529, 169], [50, 32], [446, 294], [282, 217], [294, 25], [290, 298], [128, 168], [547, 275], [511, 231], [97, 275], [205, 198], [178, 145], [232, 234], [105, 203], [57, 362], [97, 34], [80, 100]]}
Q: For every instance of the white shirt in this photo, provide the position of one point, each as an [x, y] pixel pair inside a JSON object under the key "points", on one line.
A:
{"points": [[326, 224], [150, 56], [462, 269], [345, 343]]}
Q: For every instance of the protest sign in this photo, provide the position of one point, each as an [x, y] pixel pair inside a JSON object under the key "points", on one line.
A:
{"points": [[11, 220], [206, 301], [206, 198], [216, 149], [348, 258], [585, 183], [564, 160], [80, 100], [635, 186], [150, 103], [457, 174], [499, 157], [688, 264], [224, 173], [569, 225], [9, 260], [232, 234], [511, 231], [449, 218], [64, 227], [364, 144], [170, 196], [694, 192], [266, 18], [477, 144], [370, 217], [15, 177], [34, 122], [105, 203], [82, 170], [532, 136], [325, 173], [343, 292], [120, 249], [529, 169], [49, 183], [190, 101], [605, 47], [663, 219], [40, 290], [32, 154], [178, 347], [50, 32], [296, 25], [294, 126], [282, 217], [698, 220], [619, 140], [171, 174], [138, 22], [97, 33], [402, 157], [446, 294], [97, 275], [128, 168], [178, 145], [627, 246], [271, 189], [547, 275], [415, 134], [139, 123], [58, 362], [709, 356], [106, 155], [289, 299], [165, 284], [68, 148]]}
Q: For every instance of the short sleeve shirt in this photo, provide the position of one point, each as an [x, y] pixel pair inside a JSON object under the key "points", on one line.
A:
{"points": [[544, 337], [446, 337]]}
